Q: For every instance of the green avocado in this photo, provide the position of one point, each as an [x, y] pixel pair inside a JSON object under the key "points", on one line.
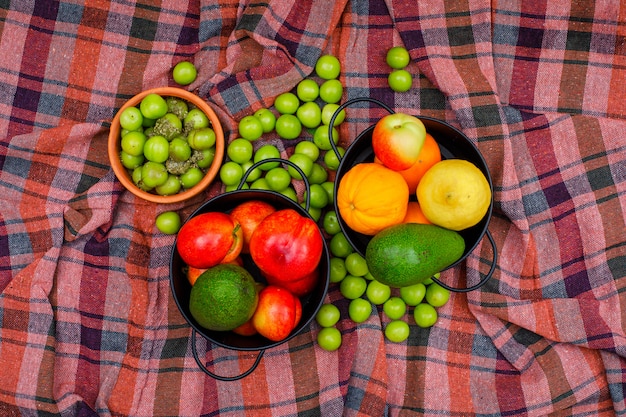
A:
{"points": [[407, 254]]}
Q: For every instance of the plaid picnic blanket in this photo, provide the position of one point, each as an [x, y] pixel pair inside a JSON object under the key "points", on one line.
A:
{"points": [[88, 326]]}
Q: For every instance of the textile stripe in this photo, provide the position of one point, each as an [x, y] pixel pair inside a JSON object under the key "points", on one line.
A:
{"points": [[616, 104]]}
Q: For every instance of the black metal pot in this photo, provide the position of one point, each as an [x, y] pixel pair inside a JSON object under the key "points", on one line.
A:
{"points": [[453, 144], [181, 287]]}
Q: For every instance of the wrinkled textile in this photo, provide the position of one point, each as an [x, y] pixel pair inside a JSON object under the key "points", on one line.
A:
{"points": [[88, 325]]}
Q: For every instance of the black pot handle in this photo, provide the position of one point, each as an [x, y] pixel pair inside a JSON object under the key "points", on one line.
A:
{"points": [[331, 123], [484, 279], [204, 369], [285, 161]]}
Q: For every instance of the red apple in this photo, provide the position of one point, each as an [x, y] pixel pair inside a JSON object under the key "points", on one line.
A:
{"points": [[299, 287], [397, 140], [286, 245], [249, 214], [209, 239], [429, 156], [232, 257], [278, 312]]}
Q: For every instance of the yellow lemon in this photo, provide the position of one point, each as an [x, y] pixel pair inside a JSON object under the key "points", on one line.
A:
{"points": [[454, 194]]}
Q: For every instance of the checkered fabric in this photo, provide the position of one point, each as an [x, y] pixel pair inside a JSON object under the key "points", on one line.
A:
{"points": [[88, 325]]}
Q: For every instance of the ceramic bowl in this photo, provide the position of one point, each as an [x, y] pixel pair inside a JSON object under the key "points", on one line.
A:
{"points": [[123, 174]]}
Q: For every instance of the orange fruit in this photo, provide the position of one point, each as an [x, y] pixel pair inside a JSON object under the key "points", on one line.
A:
{"points": [[429, 156], [371, 197], [414, 214]]}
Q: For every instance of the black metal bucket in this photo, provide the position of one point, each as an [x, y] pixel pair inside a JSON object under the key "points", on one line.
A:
{"points": [[453, 144], [181, 287]]}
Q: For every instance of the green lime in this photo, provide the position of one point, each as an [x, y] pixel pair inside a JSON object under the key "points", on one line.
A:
{"points": [[223, 297]]}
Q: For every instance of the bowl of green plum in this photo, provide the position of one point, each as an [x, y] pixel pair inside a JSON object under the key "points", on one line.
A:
{"points": [[166, 145]]}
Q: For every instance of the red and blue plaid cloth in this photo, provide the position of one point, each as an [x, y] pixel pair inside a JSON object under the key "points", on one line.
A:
{"points": [[88, 326]]}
